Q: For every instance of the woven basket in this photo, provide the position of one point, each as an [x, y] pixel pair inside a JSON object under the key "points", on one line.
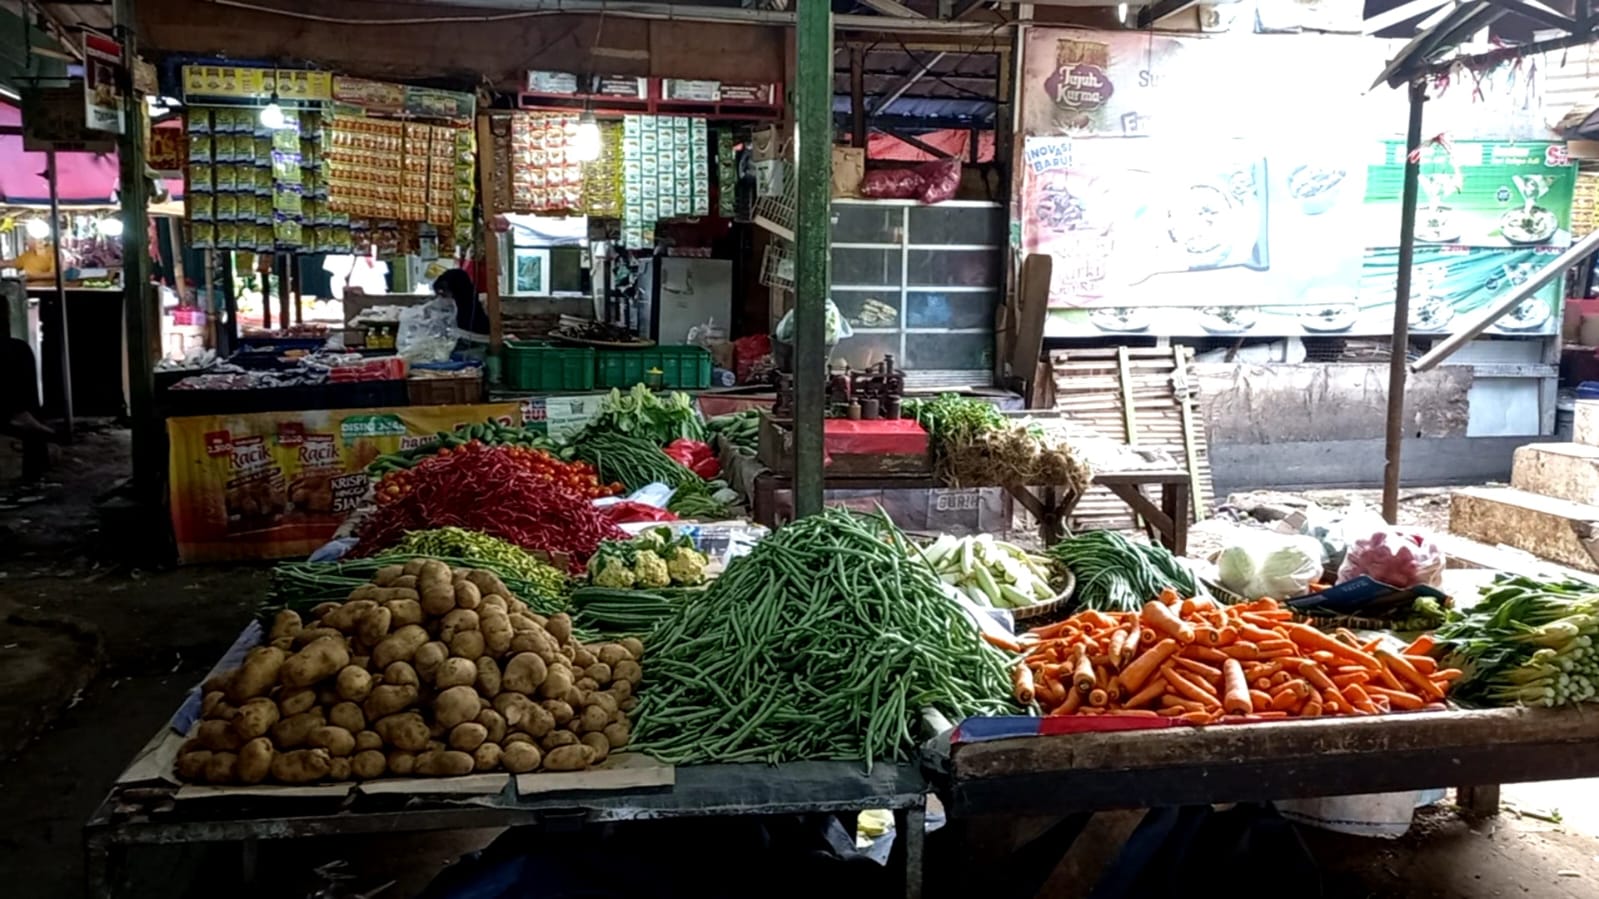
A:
{"points": [[1060, 603]]}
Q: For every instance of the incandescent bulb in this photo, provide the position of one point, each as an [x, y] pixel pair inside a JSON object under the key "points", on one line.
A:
{"points": [[38, 229], [272, 116], [586, 144]]}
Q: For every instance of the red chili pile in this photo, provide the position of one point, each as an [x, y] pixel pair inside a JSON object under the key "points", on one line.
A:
{"points": [[577, 476], [502, 491]]}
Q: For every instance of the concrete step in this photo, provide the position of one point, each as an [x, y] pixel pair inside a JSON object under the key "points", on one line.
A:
{"points": [[1585, 422], [1562, 470], [1466, 553], [1555, 529]]}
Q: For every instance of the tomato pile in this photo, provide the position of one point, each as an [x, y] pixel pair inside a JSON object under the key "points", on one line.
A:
{"points": [[578, 477]]}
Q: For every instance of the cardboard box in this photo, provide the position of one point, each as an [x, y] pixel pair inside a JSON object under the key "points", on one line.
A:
{"points": [[768, 143], [849, 167]]}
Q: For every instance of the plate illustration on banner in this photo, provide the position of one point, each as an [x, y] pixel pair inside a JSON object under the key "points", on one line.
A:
{"points": [[1529, 315], [1227, 319], [1531, 226], [1436, 225], [1315, 187], [1329, 319], [1125, 319], [1204, 225], [1432, 314]]}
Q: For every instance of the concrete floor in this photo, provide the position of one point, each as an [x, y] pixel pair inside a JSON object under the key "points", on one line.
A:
{"points": [[95, 655]]}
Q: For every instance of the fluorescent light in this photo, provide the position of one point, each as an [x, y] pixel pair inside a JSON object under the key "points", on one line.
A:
{"points": [[586, 143], [272, 116], [38, 229], [110, 226]]}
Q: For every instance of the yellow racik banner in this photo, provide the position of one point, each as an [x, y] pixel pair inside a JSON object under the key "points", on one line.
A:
{"points": [[273, 485]]}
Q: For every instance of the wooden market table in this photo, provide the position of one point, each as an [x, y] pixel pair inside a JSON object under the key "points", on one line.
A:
{"points": [[144, 815], [1052, 506]]}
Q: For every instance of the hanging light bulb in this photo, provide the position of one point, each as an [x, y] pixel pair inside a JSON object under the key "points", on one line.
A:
{"points": [[110, 226], [1121, 12], [38, 229], [586, 143], [272, 115]]}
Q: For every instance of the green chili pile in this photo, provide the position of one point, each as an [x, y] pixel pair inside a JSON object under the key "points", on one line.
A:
{"points": [[825, 642]]}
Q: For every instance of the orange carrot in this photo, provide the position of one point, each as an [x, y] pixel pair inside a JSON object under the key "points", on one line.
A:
{"points": [[1357, 677], [1196, 717], [1022, 678], [1276, 643], [1096, 618], [1264, 604], [1420, 646], [1139, 670], [1318, 678], [1305, 635], [1446, 675], [1274, 713], [1259, 700], [1169, 597], [1242, 650], [1311, 709], [1399, 699], [1357, 696], [1131, 713], [1188, 705], [1285, 698], [1151, 692], [1407, 672], [1083, 671], [1204, 654], [1347, 636], [1208, 671], [1098, 698], [1188, 689], [1425, 664], [1262, 683], [1267, 617], [1160, 617], [1118, 643], [1386, 678], [1280, 678], [1235, 695], [1323, 656], [1129, 651], [1258, 634], [1007, 643], [1049, 690], [1074, 701]]}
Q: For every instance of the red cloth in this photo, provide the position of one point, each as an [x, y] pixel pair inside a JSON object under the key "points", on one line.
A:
{"points": [[900, 437]]}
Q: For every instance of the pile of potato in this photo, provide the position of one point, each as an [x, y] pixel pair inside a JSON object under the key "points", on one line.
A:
{"points": [[426, 671]]}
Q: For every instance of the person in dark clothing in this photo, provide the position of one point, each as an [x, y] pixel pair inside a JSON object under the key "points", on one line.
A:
{"points": [[469, 312], [19, 405]]}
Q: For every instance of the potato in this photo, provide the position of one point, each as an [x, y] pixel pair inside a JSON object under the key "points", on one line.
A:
{"points": [[285, 624], [322, 658], [399, 646], [495, 625], [413, 567], [633, 645], [405, 611], [309, 635], [222, 768], [518, 737], [347, 715], [618, 734], [455, 673], [437, 593], [514, 707], [555, 739], [560, 711], [191, 765], [328, 694], [557, 681], [574, 696], [468, 736], [321, 609], [210, 701], [455, 706], [354, 684], [339, 769], [582, 657], [344, 618], [301, 766], [388, 699], [467, 645], [538, 721], [594, 718], [495, 602], [400, 674], [255, 718], [406, 731], [611, 653], [601, 699], [218, 736], [368, 764], [524, 673], [428, 659], [598, 743], [537, 640], [367, 739], [585, 685], [363, 592], [629, 704], [560, 627], [373, 626], [401, 763], [291, 732], [574, 757], [487, 582], [361, 662], [486, 757], [336, 740], [575, 725], [493, 725], [621, 689], [627, 670], [457, 621], [488, 677], [520, 623], [402, 591], [385, 576], [467, 595], [257, 674], [520, 758], [219, 681], [448, 763]]}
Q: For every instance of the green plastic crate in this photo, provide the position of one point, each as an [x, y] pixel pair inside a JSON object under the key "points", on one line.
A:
{"points": [[682, 367], [532, 365]]}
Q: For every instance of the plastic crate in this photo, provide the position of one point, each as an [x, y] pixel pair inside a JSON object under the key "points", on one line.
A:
{"points": [[682, 367], [531, 365]]}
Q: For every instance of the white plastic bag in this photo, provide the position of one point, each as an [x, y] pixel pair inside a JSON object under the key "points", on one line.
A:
{"points": [[835, 329], [1263, 564], [427, 332]]}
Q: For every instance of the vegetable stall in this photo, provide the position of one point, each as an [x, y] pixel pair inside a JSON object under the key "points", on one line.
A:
{"points": [[522, 628]]}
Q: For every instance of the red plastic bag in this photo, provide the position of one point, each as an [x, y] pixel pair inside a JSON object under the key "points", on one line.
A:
{"points": [[940, 180], [1395, 557], [892, 184], [627, 510]]}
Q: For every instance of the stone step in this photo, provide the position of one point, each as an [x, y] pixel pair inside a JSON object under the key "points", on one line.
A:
{"points": [[1555, 529], [1466, 553], [1585, 422], [1562, 470]]}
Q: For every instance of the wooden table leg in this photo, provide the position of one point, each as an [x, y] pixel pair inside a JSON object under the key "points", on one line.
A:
{"points": [[1174, 502], [764, 501], [1480, 801], [911, 824]]}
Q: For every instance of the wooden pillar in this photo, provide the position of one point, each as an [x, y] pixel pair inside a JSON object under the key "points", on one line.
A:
{"points": [[142, 317], [1395, 436], [813, 195], [285, 289], [491, 240]]}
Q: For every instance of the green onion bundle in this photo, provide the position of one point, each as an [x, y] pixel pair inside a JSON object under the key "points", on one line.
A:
{"points": [[825, 642], [1526, 643]]}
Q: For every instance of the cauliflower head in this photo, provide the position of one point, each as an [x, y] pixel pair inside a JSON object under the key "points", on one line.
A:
{"points": [[613, 572], [687, 566], [650, 569]]}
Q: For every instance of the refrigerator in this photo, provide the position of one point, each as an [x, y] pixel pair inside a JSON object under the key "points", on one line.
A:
{"points": [[691, 292]]}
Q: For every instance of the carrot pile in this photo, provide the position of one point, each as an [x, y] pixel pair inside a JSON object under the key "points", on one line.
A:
{"points": [[1199, 662]]}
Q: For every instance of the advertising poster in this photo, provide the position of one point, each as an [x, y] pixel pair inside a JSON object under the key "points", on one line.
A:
{"points": [[275, 485], [103, 83], [1181, 194]]}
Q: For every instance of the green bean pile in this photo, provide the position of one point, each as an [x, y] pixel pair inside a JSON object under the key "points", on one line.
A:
{"points": [[825, 642], [629, 460], [619, 612], [1114, 574]]}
